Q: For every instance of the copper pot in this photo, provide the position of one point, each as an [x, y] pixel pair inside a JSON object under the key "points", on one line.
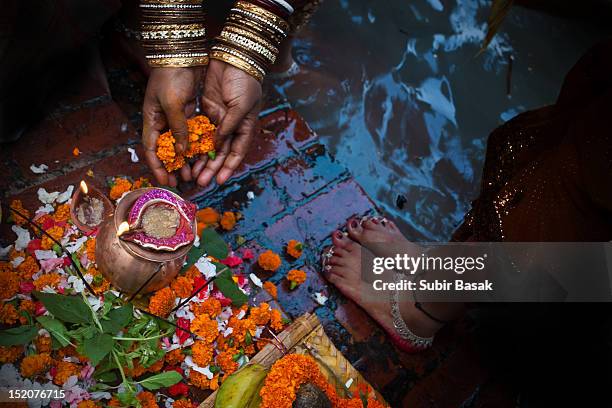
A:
{"points": [[129, 267]]}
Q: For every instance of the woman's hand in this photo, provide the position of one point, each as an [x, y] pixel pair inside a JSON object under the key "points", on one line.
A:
{"points": [[232, 100], [169, 99]]}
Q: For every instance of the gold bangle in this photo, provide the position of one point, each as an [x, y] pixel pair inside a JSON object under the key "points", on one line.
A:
{"points": [[273, 18], [173, 1], [266, 32], [168, 27], [249, 45], [236, 62], [253, 36], [178, 62]]}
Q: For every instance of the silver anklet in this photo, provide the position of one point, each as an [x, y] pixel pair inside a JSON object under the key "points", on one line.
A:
{"points": [[400, 325]]}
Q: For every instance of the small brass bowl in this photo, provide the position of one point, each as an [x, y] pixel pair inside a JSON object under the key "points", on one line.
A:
{"points": [[129, 267]]}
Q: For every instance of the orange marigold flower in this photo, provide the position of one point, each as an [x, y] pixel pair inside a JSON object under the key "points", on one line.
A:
{"points": [[35, 364], [201, 227], [48, 279], [199, 380], [202, 353], [214, 383], [120, 185], [43, 344], [210, 306], [271, 289], [208, 216], [10, 354], [295, 248], [260, 314], [182, 403], [276, 320], [76, 152], [269, 261], [90, 248], [17, 219], [240, 328], [28, 268], [136, 371], [182, 286], [201, 141], [87, 404], [205, 327], [193, 272], [174, 357], [13, 253], [296, 277], [141, 183], [56, 232], [225, 360], [147, 399], [62, 213], [162, 302], [8, 314], [228, 221], [9, 284], [156, 366], [65, 369], [114, 403]]}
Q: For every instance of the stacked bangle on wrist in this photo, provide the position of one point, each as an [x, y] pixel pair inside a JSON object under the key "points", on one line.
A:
{"points": [[173, 33], [251, 36]]}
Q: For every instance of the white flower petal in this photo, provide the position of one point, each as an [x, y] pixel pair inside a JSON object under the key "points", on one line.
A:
{"points": [[255, 280], [66, 195], [74, 246], [320, 298], [41, 254], [23, 237], [250, 195], [46, 197], [133, 155], [45, 209], [40, 169], [5, 251], [206, 267], [17, 261]]}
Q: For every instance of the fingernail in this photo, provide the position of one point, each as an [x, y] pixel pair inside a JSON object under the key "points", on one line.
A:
{"points": [[354, 224], [339, 235]]}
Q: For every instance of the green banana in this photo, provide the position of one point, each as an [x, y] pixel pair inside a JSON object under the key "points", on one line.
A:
{"points": [[241, 389]]}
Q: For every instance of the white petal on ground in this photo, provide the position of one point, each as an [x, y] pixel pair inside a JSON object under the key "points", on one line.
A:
{"points": [[240, 314], [40, 169], [133, 155], [250, 195], [349, 383], [77, 284], [47, 198], [196, 241], [255, 280], [206, 267], [320, 298], [228, 331], [202, 370], [23, 237], [66, 195]]}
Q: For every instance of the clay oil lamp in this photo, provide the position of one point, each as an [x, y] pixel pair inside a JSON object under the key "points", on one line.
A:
{"points": [[89, 207], [143, 246]]}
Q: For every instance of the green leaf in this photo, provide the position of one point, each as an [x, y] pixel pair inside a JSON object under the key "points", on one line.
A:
{"points": [[56, 328], [107, 377], [18, 335], [212, 154], [193, 255], [98, 347], [118, 319], [228, 287], [128, 398], [71, 309], [213, 244], [157, 381]]}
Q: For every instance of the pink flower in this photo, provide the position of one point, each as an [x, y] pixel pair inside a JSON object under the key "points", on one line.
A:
{"points": [[231, 261], [248, 254], [49, 265], [166, 342], [87, 372], [26, 287]]}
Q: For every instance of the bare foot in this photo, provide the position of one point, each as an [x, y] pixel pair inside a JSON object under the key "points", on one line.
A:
{"points": [[344, 271]]}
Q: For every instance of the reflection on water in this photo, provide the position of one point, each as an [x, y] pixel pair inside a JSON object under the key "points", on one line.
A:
{"points": [[397, 91]]}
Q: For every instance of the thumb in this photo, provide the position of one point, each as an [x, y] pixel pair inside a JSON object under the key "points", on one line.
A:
{"points": [[230, 122], [178, 126]]}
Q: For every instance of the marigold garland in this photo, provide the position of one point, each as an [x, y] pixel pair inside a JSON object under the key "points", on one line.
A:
{"points": [[269, 261], [65, 369], [119, 186], [296, 277], [271, 289], [162, 302], [17, 219], [295, 248], [228, 221], [205, 327], [35, 364], [56, 232], [200, 142], [182, 287], [10, 354], [48, 279], [9, 284]]}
